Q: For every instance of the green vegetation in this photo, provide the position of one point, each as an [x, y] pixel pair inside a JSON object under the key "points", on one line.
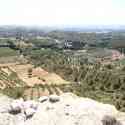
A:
{"points": [[105, 83], [42, 42], [14, 92], [9, 81], [6, 52]]}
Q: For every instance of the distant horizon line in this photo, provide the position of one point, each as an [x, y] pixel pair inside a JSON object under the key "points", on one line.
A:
{"points": [[68, 27], [84, 25]]}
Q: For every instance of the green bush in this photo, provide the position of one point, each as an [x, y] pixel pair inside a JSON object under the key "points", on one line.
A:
{"points": [[15, 92]]}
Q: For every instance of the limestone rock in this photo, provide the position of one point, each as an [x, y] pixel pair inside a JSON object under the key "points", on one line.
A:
{"points": [[29, 112], [5, 103], [43, 99], [6, 119], [71, 110], [30, 104], [16, 106], [54, 98], [67, 109]]}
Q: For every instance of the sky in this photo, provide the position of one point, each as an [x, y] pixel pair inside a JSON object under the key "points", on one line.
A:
{"points": [[62, 12]]}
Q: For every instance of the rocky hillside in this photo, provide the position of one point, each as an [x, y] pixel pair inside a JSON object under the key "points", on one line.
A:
{"points": [[66, 109]]}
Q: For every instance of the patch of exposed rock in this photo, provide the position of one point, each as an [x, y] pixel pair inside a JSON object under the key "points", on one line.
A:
{"points": [[67, 109]]}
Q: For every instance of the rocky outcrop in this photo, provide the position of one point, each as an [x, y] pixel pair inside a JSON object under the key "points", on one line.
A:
{"points": [[67, 109]]}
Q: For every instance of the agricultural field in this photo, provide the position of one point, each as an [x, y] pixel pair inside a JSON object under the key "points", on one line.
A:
{"points": [[29, 82], [41, 70], [7, 52], [9, 79], [100, 81]]}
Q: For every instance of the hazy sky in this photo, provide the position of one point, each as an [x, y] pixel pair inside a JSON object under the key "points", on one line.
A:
{"points": [[62, 12]]}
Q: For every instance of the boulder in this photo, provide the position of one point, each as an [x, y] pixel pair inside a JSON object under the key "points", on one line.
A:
{"points": [[29, 112], [54, 98], [43, 99], [19, 119], [7, 119], [30, 104], [16, 106], [5, 104]]}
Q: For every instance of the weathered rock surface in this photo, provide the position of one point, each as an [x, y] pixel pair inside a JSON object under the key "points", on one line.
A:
{"points": [[54, 98], [67, 109], [71, 110], [5, 103], [16, 106], [43, 99]]}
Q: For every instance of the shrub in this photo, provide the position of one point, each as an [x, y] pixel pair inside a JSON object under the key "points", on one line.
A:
{"points": [[15, 92]]}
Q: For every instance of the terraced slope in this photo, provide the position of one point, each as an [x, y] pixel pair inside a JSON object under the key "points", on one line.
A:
{"points": [[36, 76], [43, 90], [15, 81], [9, 79]]}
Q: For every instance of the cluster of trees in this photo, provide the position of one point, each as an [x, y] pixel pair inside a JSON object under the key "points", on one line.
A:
{"points": [[101, 82]]}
